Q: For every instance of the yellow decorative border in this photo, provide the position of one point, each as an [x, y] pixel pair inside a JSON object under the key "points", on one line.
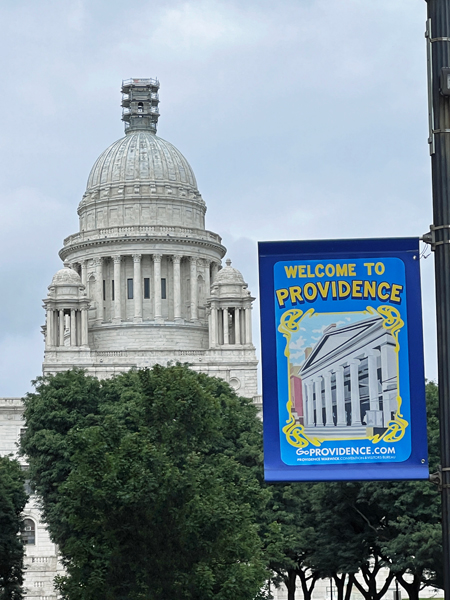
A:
{"points": [[295, 432]]}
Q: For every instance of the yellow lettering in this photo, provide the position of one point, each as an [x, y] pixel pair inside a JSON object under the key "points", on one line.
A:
{"points": [[344, 289], [291, 271], [379, 268], [301, 271], [333, 290], [323, 288], [281, 297], [341, 270], [369, 267], [370, 289], [319, 271], [310, 292], [296, 294], [396, 290], [351, 270], [309, 272], [356, 289], [383, 286], [330, 270]]}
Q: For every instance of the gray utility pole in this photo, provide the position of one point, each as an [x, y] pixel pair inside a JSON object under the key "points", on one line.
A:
{"points": [[438, 41]]}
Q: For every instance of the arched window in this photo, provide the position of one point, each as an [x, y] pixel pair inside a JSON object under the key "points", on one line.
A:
{"points": [[29, 532], [140, 107]]}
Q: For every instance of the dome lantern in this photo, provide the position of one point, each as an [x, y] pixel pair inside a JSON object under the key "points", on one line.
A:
{"points": [[140, 104]]}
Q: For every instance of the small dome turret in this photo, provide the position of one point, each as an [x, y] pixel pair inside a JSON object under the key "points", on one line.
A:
{"points": [[229, 275], [66, 276]]}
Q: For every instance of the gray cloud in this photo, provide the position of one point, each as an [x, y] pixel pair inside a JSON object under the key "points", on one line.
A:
{"points": [[301, 120]]}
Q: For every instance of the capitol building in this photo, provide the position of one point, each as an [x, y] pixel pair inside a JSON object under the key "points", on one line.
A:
{"points": [[142, 283]]}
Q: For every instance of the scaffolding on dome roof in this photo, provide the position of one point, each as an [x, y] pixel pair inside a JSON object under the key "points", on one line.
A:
{"points": [[140, 101]]}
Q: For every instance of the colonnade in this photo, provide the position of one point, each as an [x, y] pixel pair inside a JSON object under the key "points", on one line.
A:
{"points": [[71, 320], [318, 391], [230, 325], [210, 270]]}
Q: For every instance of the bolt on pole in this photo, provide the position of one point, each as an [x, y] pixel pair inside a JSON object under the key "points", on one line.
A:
{"points": [[438, 42]]}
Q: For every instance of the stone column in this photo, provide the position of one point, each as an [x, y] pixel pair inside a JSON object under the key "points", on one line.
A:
{"points": [[194, 287], [117, 289], [137, 288], [61, 327], [157, 286], [73, 328], [214, 270], [373, 380], [237, 326], [213, 327], [176, 260], [84, 326], [388, 378], [248, 324], [226, 334], [98, 263], [318, 390], [340, 397], [328, 401], [84, 272], [354, 385], [49, 340], [310, 410], [207, 278], [77, 328]]}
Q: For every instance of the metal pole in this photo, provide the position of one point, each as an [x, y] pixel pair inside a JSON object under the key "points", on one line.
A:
{"points": [[438, 40]]}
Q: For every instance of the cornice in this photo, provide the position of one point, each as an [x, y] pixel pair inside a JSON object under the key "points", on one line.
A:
{"points": [[109, 241]]}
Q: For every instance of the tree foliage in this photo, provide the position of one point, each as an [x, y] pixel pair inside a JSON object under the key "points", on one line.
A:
{"points": [[149, 484], [12, 503], [336, 530]]}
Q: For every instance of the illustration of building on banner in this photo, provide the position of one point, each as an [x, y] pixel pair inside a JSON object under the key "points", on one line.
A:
{"points": [[296, 393], [348, 381]]}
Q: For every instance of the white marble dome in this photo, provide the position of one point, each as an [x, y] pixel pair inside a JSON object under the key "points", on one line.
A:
{"points": [[66, 276], [141, 156], [229, 275]]}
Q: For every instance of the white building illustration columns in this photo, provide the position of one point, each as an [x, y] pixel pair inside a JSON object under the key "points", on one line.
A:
{"points": [[359, 369]]}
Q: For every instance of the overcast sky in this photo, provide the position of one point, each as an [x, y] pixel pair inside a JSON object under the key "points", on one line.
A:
{"points": [[302, 119]]}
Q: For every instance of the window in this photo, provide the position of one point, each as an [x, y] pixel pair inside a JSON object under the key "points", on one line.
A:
{"points": [[163, 289], [104, 290], [130, 289], [29, 532], [112, 289], [146, 287], [140, 107]]}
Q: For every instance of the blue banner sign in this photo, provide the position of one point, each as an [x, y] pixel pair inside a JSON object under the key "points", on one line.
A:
{"points": [[342, 359]]}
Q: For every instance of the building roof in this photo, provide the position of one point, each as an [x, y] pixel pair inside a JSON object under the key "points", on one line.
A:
{"points": [[66, 276], [141, 156], [229, 275]]}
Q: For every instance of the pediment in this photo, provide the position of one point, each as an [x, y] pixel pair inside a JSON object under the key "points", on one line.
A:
{"points": [[335, 339]]}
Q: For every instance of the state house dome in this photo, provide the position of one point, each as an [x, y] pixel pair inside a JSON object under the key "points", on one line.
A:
{"points": [[141, 179], [143, 157]]}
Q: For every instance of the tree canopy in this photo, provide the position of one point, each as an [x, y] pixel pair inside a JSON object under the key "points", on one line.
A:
{"points": [[343, 528], [12, 502], [149, 484]]}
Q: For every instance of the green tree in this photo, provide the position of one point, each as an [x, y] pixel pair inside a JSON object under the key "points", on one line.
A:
{"points": [[335, 530], [12, 503], [290, 537], [149, 484]]}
